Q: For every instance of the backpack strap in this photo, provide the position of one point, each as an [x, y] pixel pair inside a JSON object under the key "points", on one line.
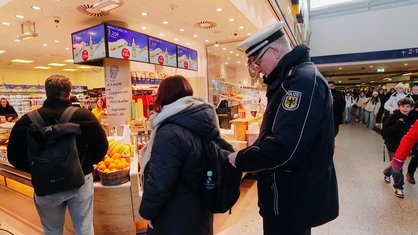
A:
{"points": [[67, 114], [36, 118]]}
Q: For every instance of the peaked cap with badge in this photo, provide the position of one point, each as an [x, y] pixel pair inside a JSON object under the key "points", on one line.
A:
{"points": [[255, 43]]}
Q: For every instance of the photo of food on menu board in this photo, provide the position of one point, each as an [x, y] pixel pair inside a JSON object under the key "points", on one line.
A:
{"points": [[88, 44], [162, 52], [127, 44], [186, 58]]}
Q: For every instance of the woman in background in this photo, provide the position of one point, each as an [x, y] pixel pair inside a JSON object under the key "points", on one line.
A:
{"points": [[7, 110], [100, 110]]}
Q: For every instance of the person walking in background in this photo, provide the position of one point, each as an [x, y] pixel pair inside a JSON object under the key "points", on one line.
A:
{"points": [[338, 105], [100, 110], [92, 146], [349, 102], [413, 163], [7, 110], [170, 161], [392, 103], [379, 115], [394, 128], [293, 154], [371, 109], [360, 103]]}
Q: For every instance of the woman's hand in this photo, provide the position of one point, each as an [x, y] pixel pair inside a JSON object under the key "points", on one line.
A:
{"points": [[149, 222]]}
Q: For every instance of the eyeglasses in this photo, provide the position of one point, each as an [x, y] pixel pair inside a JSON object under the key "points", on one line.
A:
{"points": [[257, 60]]}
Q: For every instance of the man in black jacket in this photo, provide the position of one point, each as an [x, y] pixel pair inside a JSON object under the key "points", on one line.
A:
{"points": [[338, 106], [92, 146], [293, 155]]}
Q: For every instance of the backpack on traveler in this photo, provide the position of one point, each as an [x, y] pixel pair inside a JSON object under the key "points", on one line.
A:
{"points": [[225, 177], [52, 154]]}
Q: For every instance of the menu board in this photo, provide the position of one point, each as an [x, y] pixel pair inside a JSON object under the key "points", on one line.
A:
{"points": [[127, 44], [186, 58], [88, 44], [162, 52]]}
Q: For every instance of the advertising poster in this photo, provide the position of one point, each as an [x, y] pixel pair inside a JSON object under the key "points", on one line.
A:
{"points": [[186, 58], [127, 44], [88, 44], [162, 52]]}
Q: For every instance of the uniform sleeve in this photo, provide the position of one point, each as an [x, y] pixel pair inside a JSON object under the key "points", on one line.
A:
{"points": [[407, 142], [162, 173], [295, 127]]}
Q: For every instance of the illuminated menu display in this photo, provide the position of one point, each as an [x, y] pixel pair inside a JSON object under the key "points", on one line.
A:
{"points": [[186, 58], [88, 44], [162, 52], [127, 44]]}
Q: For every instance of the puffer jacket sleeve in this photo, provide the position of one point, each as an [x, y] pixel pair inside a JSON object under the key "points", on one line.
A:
{"points": [[162, 171], [16, 148], [407, 143]]}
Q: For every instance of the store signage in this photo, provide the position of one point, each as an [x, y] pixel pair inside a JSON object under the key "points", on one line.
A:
{"points": [[88, 44], [162, 52], [127, 44], [186, 58]]}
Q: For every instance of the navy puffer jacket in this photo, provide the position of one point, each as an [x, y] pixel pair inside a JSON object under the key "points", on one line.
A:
{"points": [[172, 175]]}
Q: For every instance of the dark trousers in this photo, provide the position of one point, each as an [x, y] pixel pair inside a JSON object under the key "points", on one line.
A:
{"points": [[272, 227], [413, 164]]}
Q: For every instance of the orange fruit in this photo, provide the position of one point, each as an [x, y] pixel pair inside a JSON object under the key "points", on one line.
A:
{"points": [[116, 156], [120, 166], [111, 166], [106, 170], [102, 166], [108, 160]]}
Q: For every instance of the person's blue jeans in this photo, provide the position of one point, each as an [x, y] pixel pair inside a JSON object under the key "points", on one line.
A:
{"points": [[51, 209], [348, 114], [360, 114], [398, 180], [369, 119]]}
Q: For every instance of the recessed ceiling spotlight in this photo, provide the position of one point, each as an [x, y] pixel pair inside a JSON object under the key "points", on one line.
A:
{"points": [[219, 9], [70, 70], [5, 23], [56, 41], [340, 68], [56, 64], [405, 64], [224, 48], [176, 39], [231, 19], [188, 43], [41, 67], [144, 13], [165, 22], [67, 48], [241, 27], [45, 45], [37, 8], [195, 35], [1, 51], [161, 34], [144, 28], [249, 34], [181, 30], [206, 40], [20, 16], [22, 61]]}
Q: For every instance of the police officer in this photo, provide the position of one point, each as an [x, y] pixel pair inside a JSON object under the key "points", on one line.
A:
{"points": [[293, 155]]}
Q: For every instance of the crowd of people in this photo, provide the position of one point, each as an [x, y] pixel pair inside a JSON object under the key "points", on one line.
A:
{"points": [[392, 112]]}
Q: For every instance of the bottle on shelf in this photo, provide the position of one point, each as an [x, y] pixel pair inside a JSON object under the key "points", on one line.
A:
{"points": [[209, 183]]}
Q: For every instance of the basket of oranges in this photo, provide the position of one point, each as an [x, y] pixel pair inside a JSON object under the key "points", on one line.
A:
{"points": [[114, 170]]}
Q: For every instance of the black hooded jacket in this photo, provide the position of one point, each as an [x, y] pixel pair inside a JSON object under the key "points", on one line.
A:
{"points": [[172, 175]]}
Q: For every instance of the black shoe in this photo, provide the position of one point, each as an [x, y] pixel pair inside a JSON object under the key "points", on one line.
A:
{"points": [[410, 178]]}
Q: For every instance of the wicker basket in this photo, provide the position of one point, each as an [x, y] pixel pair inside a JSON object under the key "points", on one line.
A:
{"points": [[114, 178]]}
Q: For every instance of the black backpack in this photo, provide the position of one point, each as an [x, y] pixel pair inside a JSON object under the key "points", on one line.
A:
{"points": [[52, 154], [227, 179]]}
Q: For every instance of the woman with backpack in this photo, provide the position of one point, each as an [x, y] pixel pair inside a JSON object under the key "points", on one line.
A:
{"points": [[349, 102], [170, 161]]}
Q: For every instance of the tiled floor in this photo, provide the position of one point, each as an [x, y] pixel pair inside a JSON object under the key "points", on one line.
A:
{"points": [[367, 204]]}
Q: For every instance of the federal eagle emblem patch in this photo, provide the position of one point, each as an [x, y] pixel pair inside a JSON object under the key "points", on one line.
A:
{"points": [[291, 100]]}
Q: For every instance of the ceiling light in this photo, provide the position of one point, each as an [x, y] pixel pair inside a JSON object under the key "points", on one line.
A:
{"points": [[2, 51], [20, 16], [69, 61], [84, 67], [144, 14], [41, 67], [37, 8], [5, 23], [219, 9], [22, 61], [56, 64], [71, 70], [108, 5], [28, 31]]}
